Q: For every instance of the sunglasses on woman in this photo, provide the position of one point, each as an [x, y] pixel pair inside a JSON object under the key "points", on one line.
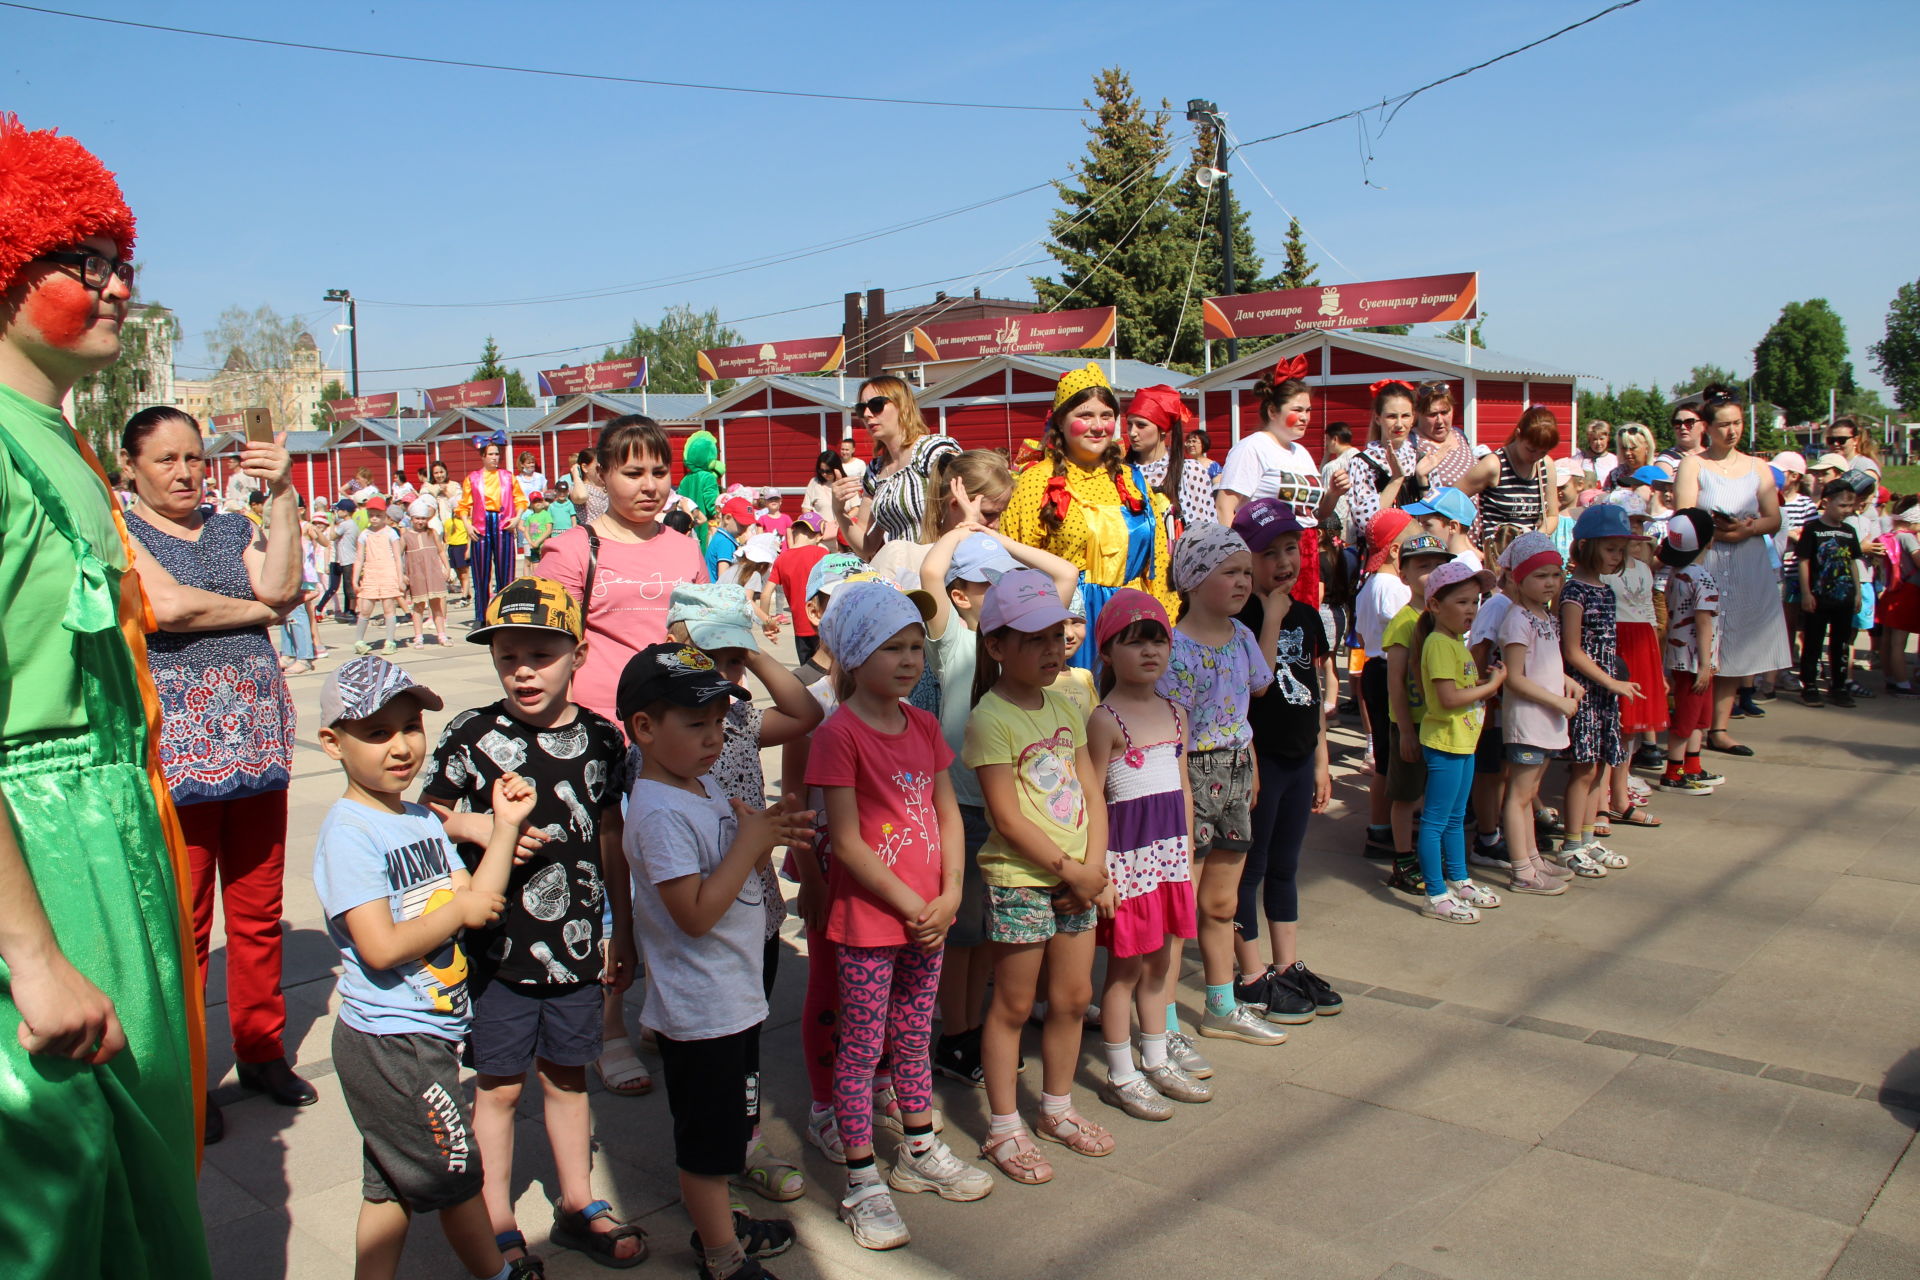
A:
{"points": [[871, 408]]}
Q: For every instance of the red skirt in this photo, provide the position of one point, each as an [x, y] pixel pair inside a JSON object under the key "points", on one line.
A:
{"points": [[1899, 607], [1639, 644]]}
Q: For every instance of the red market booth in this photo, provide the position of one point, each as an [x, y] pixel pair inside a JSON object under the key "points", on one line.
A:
{"points": [[773, 429], [452, 438], [574, 422], [1004, 400], [382, 445], [1490, 389], [312, 473]]}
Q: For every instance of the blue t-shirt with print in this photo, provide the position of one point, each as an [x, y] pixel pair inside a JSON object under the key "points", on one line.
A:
{"points": [[721, 545], [365, 855]]}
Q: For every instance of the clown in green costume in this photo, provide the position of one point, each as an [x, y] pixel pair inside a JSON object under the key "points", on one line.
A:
{"points": [[99, 1031], [701, 485]]}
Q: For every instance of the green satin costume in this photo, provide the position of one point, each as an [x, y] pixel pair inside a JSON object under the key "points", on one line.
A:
{"points": [[99, 1161]]}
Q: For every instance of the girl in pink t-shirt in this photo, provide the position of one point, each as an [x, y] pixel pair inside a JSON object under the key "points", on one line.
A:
{"points": [[893, 886]]}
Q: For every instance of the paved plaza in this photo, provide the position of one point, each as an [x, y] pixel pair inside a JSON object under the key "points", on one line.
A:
{"points": [[1707, 1065]]}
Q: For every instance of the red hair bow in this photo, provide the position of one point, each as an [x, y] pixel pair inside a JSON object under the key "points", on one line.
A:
{"points": [[1057, 496], [1384, 383], [1289, 369]]}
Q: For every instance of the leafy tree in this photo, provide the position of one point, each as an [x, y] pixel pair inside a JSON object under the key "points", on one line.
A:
{"points": [[673, 345], [1633, 404], [1119, 240], [1297, 272], [257, 352], [322, 420], [103, 401], [1897, 355], [1802, 357], [1401, 329], [1704, 374], [518, 396], [1463, 329]]}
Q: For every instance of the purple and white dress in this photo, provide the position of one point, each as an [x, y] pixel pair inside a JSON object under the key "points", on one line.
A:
{"points": [[1149, 849]]}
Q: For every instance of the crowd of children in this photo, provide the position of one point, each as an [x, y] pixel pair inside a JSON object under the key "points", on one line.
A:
{"points": [[962, 866]]}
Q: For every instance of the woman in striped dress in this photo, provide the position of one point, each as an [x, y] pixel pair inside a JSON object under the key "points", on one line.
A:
{"points": [[1514, 484]]}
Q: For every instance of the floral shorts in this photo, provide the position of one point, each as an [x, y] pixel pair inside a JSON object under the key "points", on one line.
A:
{"points": [[1021, 914], [1222, 800]]}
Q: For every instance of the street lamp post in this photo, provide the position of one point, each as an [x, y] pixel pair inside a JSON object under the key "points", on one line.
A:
{"points": [[353, 332], [1201, 111]]}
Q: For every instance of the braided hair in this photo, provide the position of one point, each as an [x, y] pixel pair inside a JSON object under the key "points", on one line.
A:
{"points": [[1113, 458]]}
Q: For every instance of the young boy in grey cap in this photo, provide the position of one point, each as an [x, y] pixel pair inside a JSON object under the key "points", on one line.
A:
{"points": [[397, 899]]}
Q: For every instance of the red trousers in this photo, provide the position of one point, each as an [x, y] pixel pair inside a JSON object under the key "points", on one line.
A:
{"points": [[244, 843]]}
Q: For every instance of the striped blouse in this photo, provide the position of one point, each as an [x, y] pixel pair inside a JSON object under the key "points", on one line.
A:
{"points": [[900, 500]]}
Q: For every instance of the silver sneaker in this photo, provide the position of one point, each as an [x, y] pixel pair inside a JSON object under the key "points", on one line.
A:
{"points": [[1137, 1098], [1182, 1054], [940, 1171], [876, 1224], [1243, 1024], [1169, 1081]]}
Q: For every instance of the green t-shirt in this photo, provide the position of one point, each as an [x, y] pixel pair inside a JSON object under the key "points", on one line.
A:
{"points": [[539, 526], [1456, 732], [1400, 632], [1040, 745], [39, 668]]}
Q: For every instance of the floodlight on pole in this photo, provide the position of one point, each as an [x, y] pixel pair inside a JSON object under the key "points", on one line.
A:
{"points": [[353, 332], [1201, 111]]}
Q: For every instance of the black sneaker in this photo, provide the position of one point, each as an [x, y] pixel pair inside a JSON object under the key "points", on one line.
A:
{"points": [[1288, 1001], [1840, 697], [1407, 880], [958, 1058], [1376, 850], [1650, 759], [1326, 1001], [760, 1237], [1747, 707], [1255, 993], [1810, 696]]}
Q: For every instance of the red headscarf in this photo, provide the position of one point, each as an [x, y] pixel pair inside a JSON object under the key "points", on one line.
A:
{"points": [[1161, 405], [53, 192]]}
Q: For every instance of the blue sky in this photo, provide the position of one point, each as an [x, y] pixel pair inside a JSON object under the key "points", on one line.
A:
{"points": [[1639, 196]]}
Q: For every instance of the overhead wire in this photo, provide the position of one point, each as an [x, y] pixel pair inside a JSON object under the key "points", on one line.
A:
{"points": [[467, 64], [1193, 269], [1291, 216]]}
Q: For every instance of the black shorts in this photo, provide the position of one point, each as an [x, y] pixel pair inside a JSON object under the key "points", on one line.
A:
{"points": [[416, 1138], [457, 556], [713, 1090], [514, 1026], [1373, 692], [1490, 755]]}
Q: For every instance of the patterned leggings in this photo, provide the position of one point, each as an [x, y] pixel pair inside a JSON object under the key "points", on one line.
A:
{"points": [[887, 995]]}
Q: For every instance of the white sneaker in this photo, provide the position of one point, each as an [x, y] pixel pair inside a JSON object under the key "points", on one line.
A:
{"points": [[1182, 1054], [1449, 910], [823, 1131], [940, 1171], [868, 1209], [1478, 856], [1472, 894], [887, 1114]]}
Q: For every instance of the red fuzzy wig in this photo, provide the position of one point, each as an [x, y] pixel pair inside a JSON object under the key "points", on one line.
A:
{"points": [[53, 192]]}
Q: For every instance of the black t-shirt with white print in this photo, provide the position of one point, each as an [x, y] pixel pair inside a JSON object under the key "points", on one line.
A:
{"points": [[1286, 718], [548, 938]]}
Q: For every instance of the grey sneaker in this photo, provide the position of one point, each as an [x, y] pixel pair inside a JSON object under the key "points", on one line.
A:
{"points": [[1137, 1098], [1182, 1054], [1244, 1024], [940, 1171], [876, 1224], [1171, 1082]]}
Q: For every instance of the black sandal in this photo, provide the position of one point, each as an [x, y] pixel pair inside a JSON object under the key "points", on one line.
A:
{"points": [[527, 1264], [575, 1231], [1735, 749]]}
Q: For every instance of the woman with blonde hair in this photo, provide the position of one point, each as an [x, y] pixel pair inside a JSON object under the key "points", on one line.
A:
{"points": [[890, 501], [1085, 504], [1633, 449]]}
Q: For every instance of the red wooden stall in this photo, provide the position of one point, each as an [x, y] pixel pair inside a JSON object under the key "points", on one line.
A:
{"points": [[772, 429], [1004, 400], [1491, 389], [574, 423], [451, 439]]}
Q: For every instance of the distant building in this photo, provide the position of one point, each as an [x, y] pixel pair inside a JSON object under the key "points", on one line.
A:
{"points": [[291, 392]]}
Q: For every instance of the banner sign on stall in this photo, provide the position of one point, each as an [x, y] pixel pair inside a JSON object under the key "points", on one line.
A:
{"points": [[1015, 335], [1418, 300], [467, 395], [225, 422], [607, 375], [801, 355], [385, 405]]}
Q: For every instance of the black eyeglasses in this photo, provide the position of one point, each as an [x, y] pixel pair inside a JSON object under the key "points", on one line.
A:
{"points": [[95, 269], [1838, 440], [875, 406]]}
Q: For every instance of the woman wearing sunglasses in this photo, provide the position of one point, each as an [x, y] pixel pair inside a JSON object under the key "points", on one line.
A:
{"points": [[890, 502]]}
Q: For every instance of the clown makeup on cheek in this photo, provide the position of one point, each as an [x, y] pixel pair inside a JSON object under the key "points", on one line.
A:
{"points": [[62, 309]]}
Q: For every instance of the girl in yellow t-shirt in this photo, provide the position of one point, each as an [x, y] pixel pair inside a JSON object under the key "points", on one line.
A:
{"points": [[458, 534], [1451, 689]]}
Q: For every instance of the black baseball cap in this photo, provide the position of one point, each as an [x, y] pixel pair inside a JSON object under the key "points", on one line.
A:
{"points": [[671, 672]]}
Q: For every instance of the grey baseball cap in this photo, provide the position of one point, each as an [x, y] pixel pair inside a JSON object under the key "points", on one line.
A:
{"points": [[359, 687]]}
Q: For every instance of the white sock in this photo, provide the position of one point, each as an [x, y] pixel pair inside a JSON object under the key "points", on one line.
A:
{"points": [[1153, 1051], [998, 1124], [1058, 1107], [1120, 1062]]}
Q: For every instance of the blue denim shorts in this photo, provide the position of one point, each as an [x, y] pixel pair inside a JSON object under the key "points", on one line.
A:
{"points": [[1521, 753]]}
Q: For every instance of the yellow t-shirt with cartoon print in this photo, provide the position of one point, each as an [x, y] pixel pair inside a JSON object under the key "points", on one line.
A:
{"points": [[1040, 745]]}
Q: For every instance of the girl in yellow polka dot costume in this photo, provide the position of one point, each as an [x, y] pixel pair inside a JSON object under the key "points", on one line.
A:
{"points": [[1084, 503]]}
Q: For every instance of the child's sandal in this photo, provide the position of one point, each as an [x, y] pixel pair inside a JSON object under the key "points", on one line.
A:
{"points": [[1023, 1163], [530, 1264], [1086, 1137]]}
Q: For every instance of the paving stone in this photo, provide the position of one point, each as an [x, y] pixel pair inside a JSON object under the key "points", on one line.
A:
{"points": [[1759, 1139], [1632, 1044], [1872, 1256], [1718, 1061]]}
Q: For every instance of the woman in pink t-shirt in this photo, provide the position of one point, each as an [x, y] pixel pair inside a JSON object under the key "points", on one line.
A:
{"points": [[623, 566]]}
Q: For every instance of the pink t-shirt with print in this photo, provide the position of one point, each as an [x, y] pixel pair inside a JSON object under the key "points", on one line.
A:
{"points": [[892, 774], [631, 591]]}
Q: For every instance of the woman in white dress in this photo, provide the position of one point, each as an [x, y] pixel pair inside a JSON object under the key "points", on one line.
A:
{"points": [[1737, 490]]}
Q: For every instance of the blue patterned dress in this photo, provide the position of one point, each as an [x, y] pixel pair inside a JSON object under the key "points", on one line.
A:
{"points": [[226, 729], [1593, 731]]}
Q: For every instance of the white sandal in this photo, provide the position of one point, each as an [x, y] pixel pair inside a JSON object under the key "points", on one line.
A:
{"points": [[620, 1071]]}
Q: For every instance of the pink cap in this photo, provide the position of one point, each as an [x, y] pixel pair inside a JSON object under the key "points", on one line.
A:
{"points": [[1124, 608], [1024, 599]]}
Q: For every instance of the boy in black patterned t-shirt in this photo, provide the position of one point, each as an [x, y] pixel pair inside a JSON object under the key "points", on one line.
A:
{"points": [[538, 972]]}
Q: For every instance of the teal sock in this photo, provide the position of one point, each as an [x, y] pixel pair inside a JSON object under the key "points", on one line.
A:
{"points": [[1173, 1018], [1220, 999]]}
